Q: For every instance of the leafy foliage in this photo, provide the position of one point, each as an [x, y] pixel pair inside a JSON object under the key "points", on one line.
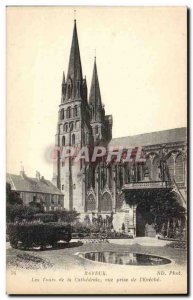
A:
{"points": [[15, 209], [18, 212], [67, 216], [37, 205], [12, 197]]}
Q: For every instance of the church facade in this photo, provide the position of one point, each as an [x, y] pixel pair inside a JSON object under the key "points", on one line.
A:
{"points": [[122, 189]]}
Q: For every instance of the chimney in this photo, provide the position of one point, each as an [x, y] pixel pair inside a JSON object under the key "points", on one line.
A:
{"points": [[38, 175], [22, 173]]}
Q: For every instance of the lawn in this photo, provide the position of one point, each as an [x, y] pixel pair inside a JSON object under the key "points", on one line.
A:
{"points": [[65, 258]]}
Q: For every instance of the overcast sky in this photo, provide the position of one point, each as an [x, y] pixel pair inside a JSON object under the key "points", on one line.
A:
{"points": [[141, 60]]}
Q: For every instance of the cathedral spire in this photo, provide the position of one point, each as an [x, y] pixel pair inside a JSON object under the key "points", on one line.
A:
{"points": [[95, 95], [74, 75]]}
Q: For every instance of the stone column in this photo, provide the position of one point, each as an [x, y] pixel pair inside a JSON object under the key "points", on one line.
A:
{"points": [[114, 188]]}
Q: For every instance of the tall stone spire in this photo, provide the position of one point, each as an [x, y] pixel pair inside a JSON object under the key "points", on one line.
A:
{"points": [[95, 95], [74, 75]]}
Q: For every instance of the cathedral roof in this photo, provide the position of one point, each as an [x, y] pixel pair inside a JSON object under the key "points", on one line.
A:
{"points": [[95, 95], [28, 184], [152, 138]]}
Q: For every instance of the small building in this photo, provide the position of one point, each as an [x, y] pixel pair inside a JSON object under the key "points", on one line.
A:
{"points": [[37, 189]]}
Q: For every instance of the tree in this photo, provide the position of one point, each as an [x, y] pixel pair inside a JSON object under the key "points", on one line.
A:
{"points": [[166, 213], [12, 197], [15, 209]]}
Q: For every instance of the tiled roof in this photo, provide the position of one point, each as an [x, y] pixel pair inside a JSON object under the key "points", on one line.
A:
{"points": [[28, 184], [152, 138]]}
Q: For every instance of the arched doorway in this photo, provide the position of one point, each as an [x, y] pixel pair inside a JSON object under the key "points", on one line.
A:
{"points": [[144, 221]]}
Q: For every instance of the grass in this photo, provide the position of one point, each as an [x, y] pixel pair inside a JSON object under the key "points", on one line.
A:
{"points": [[65, 258]]}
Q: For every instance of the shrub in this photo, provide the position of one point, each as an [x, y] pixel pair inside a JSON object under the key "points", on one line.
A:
{"points": [[67, 216], [30, 234], [80, 229], [19, 212], [177, 244]]}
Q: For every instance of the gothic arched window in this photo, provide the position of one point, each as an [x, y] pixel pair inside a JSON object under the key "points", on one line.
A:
{"points": [[170, 164], [66, 127], [71, 125], [156, 169], [179, 169], [68, 112], [96, 129], [148, 169], [63, 141], [106, 202], [62, 114], [75, 111], [73, 139], [90, 203]]}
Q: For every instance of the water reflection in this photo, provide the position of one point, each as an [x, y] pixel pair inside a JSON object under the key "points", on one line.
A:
{"points": [[125, 258]]}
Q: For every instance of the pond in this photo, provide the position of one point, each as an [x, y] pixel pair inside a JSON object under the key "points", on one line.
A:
{"points": [[126, 258]]}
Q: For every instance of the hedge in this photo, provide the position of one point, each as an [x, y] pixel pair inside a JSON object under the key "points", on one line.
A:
{"points": [[29, 235]]}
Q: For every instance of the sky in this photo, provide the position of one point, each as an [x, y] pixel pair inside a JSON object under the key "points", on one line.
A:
{"points": [[141, 61]]}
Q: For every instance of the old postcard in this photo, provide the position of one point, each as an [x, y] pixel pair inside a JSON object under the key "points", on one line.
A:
{"points": [[96, 150]]}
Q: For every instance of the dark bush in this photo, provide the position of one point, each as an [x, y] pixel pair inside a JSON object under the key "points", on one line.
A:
{"points": [[177, 244], [30, 235]]}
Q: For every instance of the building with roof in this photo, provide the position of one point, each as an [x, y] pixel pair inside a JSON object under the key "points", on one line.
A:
{"points": [[124, 189], [37, 190]]}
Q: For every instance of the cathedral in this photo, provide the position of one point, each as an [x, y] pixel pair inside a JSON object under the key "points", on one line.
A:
{"points": [[125, 190]]}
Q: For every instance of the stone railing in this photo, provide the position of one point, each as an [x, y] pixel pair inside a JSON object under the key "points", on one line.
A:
{"points": [[147, 185]]}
